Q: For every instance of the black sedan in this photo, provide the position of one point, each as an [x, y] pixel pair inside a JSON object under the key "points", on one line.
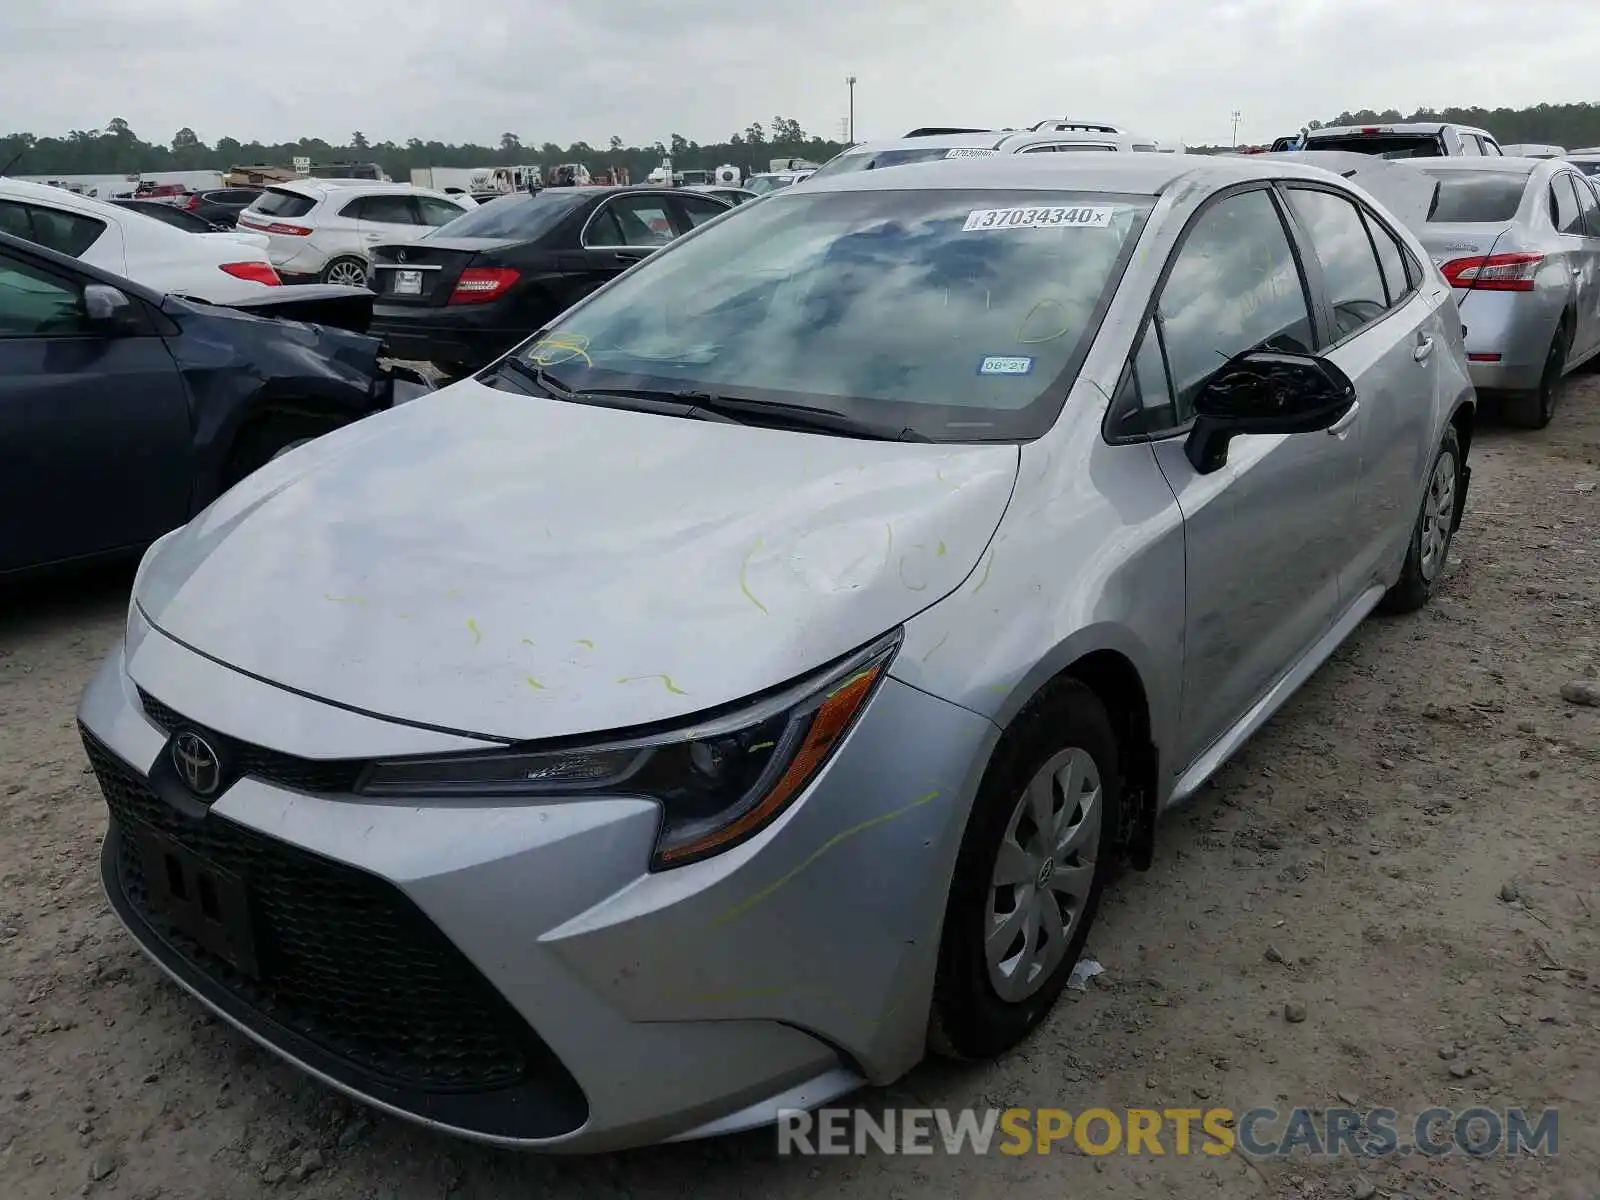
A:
{"points": [[123, 412], [472, 289]]}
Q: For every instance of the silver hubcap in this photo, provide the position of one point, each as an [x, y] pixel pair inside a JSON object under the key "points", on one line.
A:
{"points": [[1438, 515], [1042, 874], [348, 274]]}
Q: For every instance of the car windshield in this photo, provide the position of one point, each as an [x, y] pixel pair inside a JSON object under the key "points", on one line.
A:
{"points": [[1474, 196], [962, 315], [1383, 145], [514, 215], [873, 160]]}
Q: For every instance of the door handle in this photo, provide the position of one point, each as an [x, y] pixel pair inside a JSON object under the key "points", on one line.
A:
{"points": [[1424, 348], [1343, 423], [1577, 271]]}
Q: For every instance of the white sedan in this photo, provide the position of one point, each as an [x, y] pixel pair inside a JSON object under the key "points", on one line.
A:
{"points": [[219, 267]]}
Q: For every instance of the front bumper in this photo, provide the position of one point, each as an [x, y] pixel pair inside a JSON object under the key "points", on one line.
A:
{"points": [[555, 994]]}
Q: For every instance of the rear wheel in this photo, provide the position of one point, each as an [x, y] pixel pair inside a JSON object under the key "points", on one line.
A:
{"points": [[1032, 865], [346, 271], [1431, 536], [1533, 410]]}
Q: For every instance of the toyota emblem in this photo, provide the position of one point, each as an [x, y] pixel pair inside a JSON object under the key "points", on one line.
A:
{"points": [[197, 763]]}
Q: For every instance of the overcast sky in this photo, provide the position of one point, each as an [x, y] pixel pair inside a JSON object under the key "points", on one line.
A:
{"points": [[560, 70]]}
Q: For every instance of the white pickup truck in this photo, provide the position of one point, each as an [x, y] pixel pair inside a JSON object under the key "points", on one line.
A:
{"points": [[1411, 139]]}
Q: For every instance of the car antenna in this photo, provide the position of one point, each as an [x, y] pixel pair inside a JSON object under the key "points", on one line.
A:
{"points": [[15, 159]]}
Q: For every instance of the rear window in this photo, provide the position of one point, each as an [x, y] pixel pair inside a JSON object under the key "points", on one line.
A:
{"points": [[276, 203], [1384, 145], [846, 164], [514, 215], [1587, 168], [1475, 196]]}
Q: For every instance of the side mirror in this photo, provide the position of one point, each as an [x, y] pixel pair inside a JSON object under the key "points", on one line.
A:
{"points": [[1265, 392], [109, 310]]}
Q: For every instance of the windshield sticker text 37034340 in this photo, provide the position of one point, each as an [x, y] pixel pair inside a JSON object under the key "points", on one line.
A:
{"points": [[1087, 217]]}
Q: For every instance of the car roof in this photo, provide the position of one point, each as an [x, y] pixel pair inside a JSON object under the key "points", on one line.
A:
{"points": [[986, 138], [1398, 127], [44, 193], [1134, 173]]}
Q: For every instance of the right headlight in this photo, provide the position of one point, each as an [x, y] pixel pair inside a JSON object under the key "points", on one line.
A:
{"points": [[719, 782]]}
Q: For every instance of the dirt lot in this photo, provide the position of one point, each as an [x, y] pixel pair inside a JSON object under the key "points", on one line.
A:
{"points": [[1411, 852]]}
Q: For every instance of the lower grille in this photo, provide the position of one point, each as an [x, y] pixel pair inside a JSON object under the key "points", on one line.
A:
{"points": [[347, 962]]}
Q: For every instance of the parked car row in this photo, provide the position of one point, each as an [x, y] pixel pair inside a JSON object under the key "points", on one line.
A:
{"points": [[751, 681], [1518, 241]]}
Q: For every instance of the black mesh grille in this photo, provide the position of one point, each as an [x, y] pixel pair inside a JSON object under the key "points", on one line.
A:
{"points": [[330, 776], [347, 961]]}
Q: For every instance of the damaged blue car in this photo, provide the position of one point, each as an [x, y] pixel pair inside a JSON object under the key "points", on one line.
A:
{"points": [[124, 412]]}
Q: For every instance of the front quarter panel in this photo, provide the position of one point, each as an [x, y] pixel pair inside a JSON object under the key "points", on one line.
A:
{"points": [[1089, 557]]}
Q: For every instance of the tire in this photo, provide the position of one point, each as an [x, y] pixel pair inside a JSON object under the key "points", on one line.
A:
{"points": [[1061, 750], [1431, 536], [1533, 410], [265, 439], [343, 270]]}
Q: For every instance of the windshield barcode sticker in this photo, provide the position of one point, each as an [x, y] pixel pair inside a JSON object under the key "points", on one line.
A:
{"points": [[1097, 217], [969, 152]]}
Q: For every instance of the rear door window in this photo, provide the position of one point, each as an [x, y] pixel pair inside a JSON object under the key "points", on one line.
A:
{"points": [[698, 209], [382, 210], [1587, 204], [1350, 271], [53, 228], [1400, 273], [631, 221], [435, 211], [1564, 210]]}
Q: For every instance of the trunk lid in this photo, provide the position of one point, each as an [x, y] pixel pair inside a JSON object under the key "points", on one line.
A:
{"points": [[424, 273]]}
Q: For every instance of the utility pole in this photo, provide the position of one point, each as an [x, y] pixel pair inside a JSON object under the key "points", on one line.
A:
{"points": [[1235, 141], [850, 82]]}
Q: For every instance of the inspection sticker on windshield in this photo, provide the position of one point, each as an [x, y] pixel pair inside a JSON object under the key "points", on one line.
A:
{"points": [[996, 364], [969, 152], [1097, 217]]}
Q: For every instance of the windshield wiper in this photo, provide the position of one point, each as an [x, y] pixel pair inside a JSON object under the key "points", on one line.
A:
{"points": [[800, 416], [537, 376]]}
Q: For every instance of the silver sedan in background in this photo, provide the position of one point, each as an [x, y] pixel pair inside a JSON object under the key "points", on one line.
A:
{"points": [[752, 680], [1519, 241]]}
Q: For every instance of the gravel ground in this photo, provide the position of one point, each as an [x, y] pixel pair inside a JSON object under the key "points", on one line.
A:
{"points": [[1411, 852]]}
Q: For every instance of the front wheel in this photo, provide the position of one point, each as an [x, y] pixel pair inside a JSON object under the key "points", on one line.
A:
{"points": [[1028, 879], [1435, 529]]}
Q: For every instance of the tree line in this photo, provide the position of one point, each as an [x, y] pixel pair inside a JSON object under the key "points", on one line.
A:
{"points": [[117, 150], [1569, 125]]}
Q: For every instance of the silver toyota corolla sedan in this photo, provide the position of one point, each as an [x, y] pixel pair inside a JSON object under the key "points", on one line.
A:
{"points": [[752, 680], [1519, 241]]}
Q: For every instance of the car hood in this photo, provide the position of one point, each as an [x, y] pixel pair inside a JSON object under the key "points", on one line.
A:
{"points": [[524, 568]]}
